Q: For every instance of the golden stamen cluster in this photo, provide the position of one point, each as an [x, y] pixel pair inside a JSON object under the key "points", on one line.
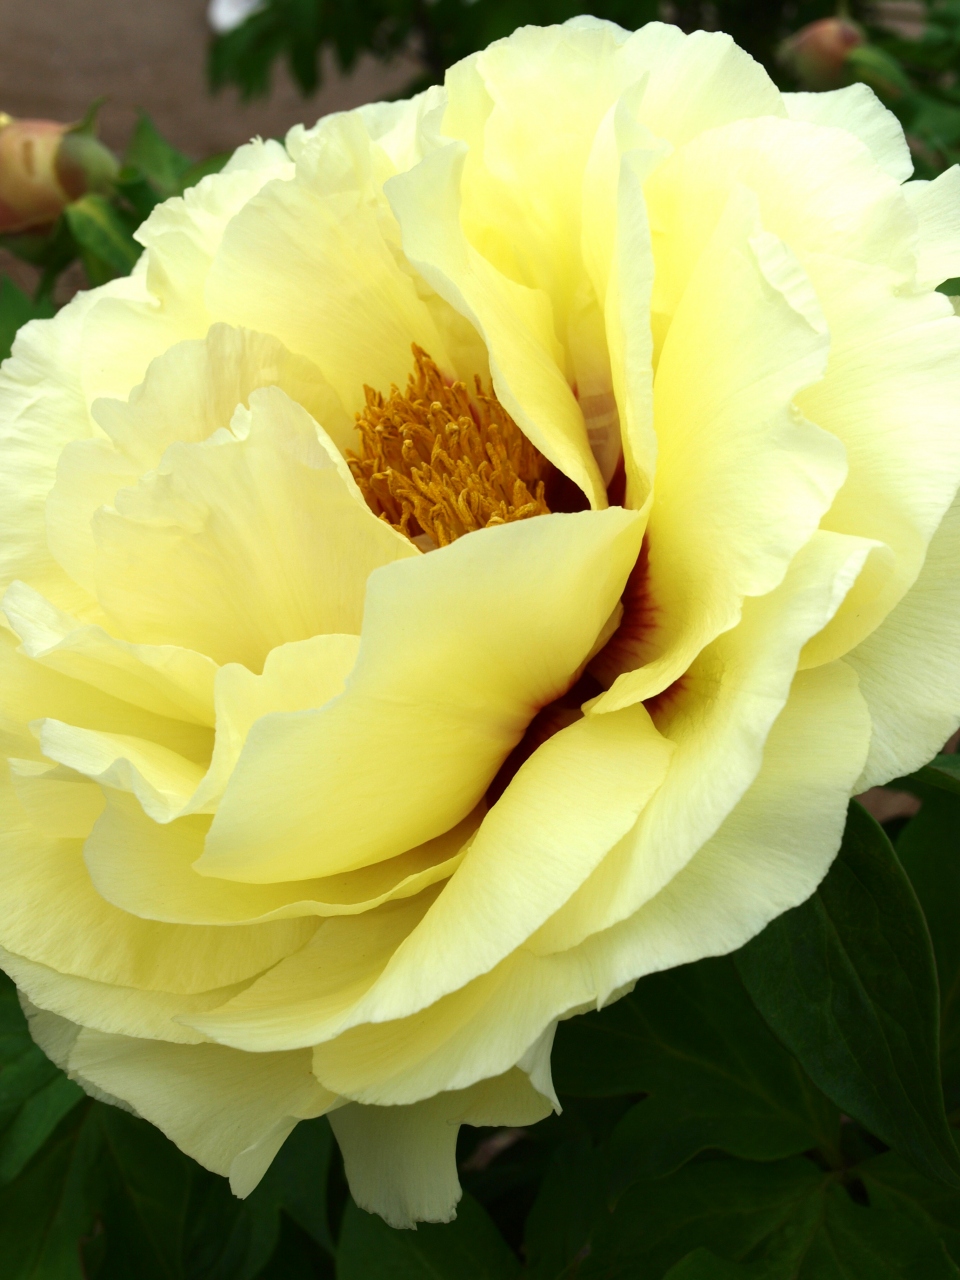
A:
{"points": [[438, 461]]}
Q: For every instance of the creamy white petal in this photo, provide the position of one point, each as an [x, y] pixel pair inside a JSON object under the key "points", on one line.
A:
{"points": [[400, 1161]]}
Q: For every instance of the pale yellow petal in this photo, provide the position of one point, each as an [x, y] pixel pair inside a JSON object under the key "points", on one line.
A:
{"points": [[312, 266], [160, 883], [246, 541], [50, 913], [310, 995], [569, 804], [296, 676], [859, 111], [59, 802], [42, 408], [718, 715], [909, 669], [400, 1162], [819, 189], [890, 394], [706, 82], [30, 691], [893, 352], [187, 394], [515, 321], [459, 649], [767, 856], [136, 318], [937, 206], [566, 807], [170, 681], [742, 481], [162, 780], [618, 256], [128, 1011], [230, 1111]]}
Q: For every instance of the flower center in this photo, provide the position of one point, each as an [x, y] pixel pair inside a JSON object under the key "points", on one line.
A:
{"points": [[437, 461]]}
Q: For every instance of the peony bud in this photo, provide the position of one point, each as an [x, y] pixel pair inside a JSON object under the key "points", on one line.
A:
{"points": [[817, 53], [43, 166]]}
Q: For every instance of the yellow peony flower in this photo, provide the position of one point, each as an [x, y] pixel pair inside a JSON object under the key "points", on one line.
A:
{"points": [[470, 564]]}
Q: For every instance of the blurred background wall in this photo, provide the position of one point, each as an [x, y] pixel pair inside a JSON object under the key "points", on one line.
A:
{"points": [[56, 56]]}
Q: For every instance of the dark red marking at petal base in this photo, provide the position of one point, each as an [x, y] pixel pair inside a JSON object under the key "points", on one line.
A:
{"points": [[549, 720]]}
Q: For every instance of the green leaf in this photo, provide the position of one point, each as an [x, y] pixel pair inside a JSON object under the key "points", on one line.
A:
{"points": [[469, 1248], [137, 193], [890, 1181], [163, 1217], [145, 1204], [162, 164], [296, 1257], [15, 310], [782, 1221], [297, 1179], [716, 1077], [703, 1264], [34, 1094], [47, 1210], [848, 982], [569, 1209], [943, 772], [929, 848], [877, 69], [106, 246]]}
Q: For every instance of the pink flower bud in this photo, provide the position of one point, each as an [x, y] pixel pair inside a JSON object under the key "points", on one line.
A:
{"points": [[31, 194], [817, 53], [43, 166]]}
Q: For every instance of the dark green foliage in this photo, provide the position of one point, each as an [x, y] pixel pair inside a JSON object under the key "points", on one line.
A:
{"points": [[34, 1095], [470, 1248], [716, 1076], [848, 982], [15, 310]]}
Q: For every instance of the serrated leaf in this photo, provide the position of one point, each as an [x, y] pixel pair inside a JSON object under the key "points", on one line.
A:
{"points": [[16, 308], [716, 1076], [848, 983], [103, 238], [469, 1248], [783, 1221], [159, 162], [46, 1212], [34, 1094]]}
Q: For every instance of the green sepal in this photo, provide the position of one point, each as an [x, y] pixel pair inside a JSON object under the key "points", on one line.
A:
{"points": [[106, 245]]}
